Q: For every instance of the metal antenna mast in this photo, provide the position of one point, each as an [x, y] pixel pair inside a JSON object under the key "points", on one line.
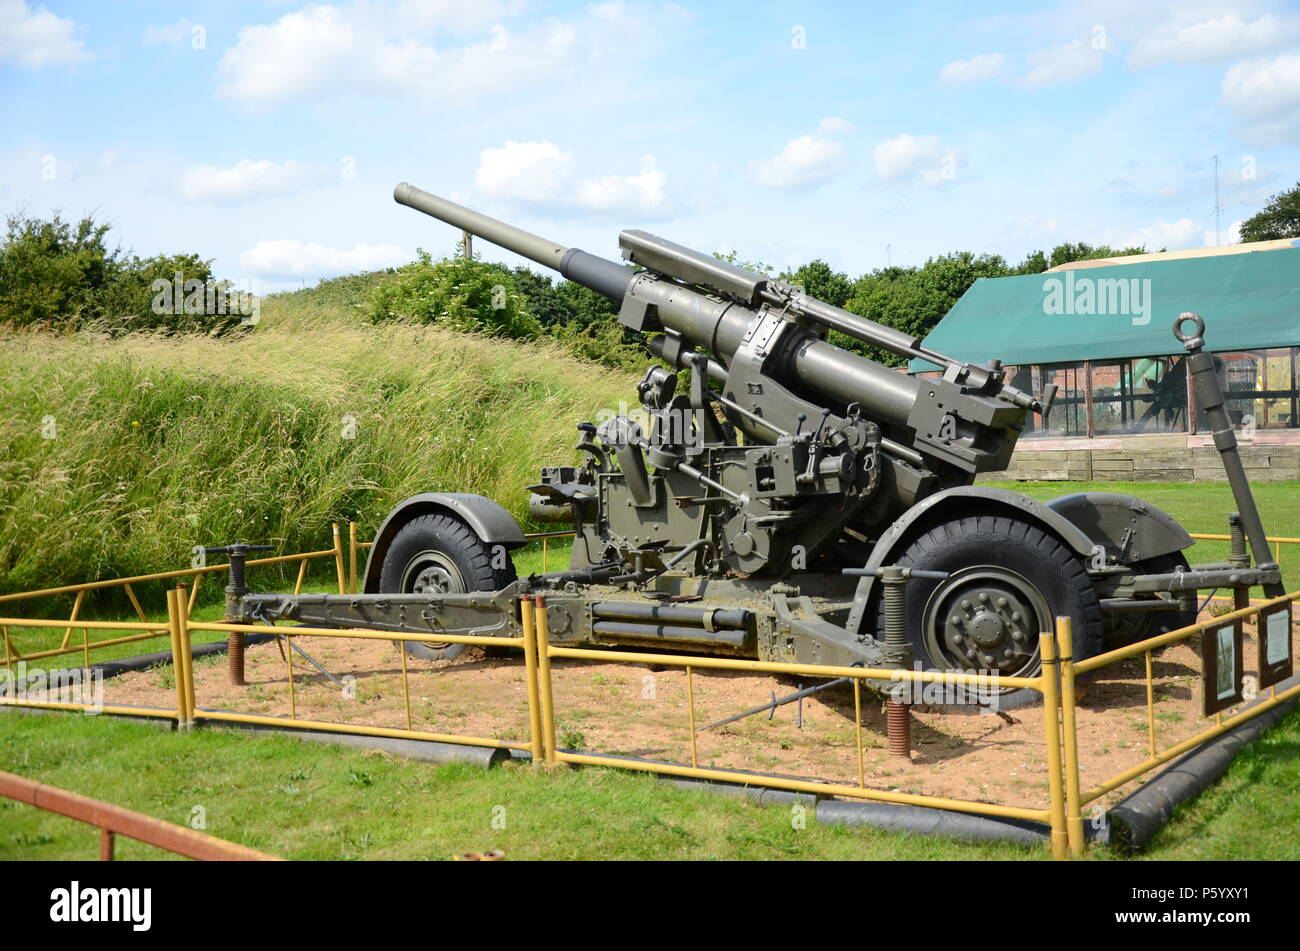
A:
{"points": [[1218, 209]]}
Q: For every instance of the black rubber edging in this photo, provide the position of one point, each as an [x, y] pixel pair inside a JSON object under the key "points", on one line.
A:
{"points": [[427, 751], [885, 816], [1136, 819]]}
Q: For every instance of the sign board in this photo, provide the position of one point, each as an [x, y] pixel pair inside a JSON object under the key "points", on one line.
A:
{"points": [[1275, 645], [1222, 667]]}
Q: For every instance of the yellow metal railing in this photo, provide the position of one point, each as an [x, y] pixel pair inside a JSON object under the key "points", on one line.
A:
{"points": [[1066, 800], [148, 629], [1046, 684], [1070, 671]]}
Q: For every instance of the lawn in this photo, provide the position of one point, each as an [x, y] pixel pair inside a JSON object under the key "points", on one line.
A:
{"points": [[305, 801]]}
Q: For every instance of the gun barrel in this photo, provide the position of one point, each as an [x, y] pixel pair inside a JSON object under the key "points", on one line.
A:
{"points": [[601, 275], [524, 243]]}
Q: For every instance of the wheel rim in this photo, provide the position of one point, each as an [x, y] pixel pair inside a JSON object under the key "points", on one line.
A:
{"points": [[988, 618], [432, 572]]}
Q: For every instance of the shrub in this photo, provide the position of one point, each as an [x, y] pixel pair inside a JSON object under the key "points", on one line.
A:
{"points": [[457, 294], [57, 273]]}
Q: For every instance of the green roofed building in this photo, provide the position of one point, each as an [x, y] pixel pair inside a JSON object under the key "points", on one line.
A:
{"points": [[1102, 331]]}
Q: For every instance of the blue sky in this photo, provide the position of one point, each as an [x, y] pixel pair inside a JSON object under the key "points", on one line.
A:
{"points": [[269, 135]]}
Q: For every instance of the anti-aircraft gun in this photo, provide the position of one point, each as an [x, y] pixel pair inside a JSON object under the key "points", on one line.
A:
{"points": [[761, 508]]}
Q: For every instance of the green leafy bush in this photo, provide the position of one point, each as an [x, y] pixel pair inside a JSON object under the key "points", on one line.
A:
{"points": [[457, 294], [56, 273]]}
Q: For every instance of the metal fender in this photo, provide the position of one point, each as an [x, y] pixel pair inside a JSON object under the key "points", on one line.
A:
{"points": [[488, 520], [1127, 527]]}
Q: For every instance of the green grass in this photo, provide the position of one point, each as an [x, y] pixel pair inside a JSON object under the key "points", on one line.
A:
{"points": [[163, 443], [1200, 507], [305, 801]]}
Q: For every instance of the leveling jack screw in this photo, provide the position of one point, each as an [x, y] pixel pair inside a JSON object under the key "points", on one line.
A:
{"points": [[898, 724]]}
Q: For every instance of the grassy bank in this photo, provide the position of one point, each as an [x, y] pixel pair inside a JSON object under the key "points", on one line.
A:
{"points": [[121, 455]]}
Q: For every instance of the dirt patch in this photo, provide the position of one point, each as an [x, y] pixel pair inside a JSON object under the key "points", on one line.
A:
{"points": [[633, 710]]}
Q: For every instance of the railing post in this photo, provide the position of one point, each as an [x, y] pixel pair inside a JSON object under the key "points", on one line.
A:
{"points": [[106, 845], [526, 619], [187, 654], [178, 665], [1074, 818], [338, 558], [1052, 733], [352, 557], [543, 635]]}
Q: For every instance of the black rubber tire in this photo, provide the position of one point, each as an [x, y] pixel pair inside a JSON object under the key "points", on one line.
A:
{"points": [[458, 544], [1008, 543], [1155, 623]]}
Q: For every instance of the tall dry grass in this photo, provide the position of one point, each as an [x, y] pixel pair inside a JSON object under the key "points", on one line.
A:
{"points": [[163, 443]]}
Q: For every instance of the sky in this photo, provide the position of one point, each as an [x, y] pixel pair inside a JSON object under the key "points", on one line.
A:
{"points": [[268, 135]]}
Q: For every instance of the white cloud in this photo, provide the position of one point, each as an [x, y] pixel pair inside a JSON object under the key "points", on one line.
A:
{"points": [[1171, 235], [169, 35], [963, 72], [524, 172], [387, 48], [541, 174], [36, 37], [644, 192], [289, 258], [246, 179], [1264, 97], [1230, 235], [1062, 64], [805, 161], [924, 159], [1209, 40]]}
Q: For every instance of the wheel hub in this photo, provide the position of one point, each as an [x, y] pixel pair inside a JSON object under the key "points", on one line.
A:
{"points": [[433, 580], [985, 618], [432, 572]]}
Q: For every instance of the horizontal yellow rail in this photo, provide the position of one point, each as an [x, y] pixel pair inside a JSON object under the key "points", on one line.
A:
{"points": [[482, 640], [1271, 539], [1172, 637], [157, 576], [807, 785], [1190, 743], [808, 670], [326, 726]]}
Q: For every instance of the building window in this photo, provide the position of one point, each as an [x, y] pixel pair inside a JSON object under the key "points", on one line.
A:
{"points": [[1259, 388], [1144, 395], [1139, 395]]}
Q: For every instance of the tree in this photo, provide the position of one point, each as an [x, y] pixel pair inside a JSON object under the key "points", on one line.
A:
{"points": [[1280, 218], [819, 281], [1082, 251], [913, 299], [53, 270], [57, 272]]}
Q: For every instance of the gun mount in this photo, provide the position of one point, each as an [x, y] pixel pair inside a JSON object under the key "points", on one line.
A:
{"points": [[753, 506]]}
